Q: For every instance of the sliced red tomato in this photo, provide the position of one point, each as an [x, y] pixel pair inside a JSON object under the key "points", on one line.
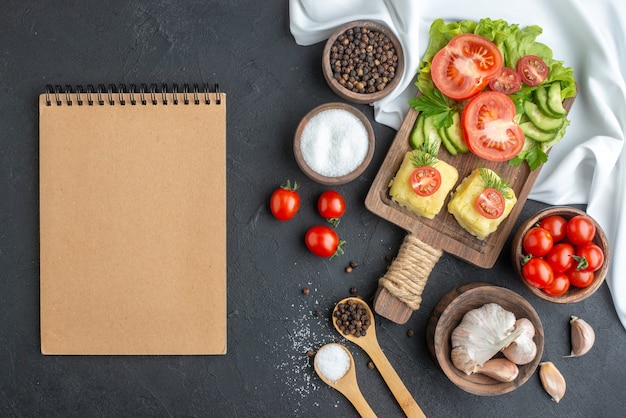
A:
{"points": [[489, 126], [508, 81], [532, 70], [465, 65], [490, 203], [425, 180]]}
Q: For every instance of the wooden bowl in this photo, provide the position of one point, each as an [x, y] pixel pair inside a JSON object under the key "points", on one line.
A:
{"points": [[574, 294], [447, 315], [355, 96], [356, 119]]}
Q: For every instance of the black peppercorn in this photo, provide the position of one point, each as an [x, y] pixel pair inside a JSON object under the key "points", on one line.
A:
{"points": [[352, 318]]}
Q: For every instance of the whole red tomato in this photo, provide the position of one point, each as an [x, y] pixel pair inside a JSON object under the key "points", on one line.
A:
{"points": [[537, 272], [285, 201], [331, 206], [537, 242], [560, 284], [579, 278], [590, 257], [323, 241], [555, 225], [580, 230], [561, 257]]}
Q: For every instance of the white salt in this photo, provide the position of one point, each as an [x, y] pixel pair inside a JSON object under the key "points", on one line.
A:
{"points": [[334, 142], [332, 361]]}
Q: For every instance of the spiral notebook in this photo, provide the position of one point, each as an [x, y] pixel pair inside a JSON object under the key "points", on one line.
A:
{"points": [[133, 220]]}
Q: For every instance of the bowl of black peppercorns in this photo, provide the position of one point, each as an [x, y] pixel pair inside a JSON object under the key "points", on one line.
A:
{"points": [[362, 61]]}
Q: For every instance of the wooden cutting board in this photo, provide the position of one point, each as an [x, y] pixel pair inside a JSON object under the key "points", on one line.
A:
{"points": [[443, 232]]}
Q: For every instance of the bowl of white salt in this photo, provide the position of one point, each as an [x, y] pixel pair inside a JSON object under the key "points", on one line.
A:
{"points": [[334, 143]]}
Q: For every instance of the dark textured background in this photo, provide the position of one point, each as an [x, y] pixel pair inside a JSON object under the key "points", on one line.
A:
{"points": [[271, 82]]}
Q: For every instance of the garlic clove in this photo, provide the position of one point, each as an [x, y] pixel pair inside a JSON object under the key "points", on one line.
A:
{"points": [[552, 380], [524, 349], [582, 335], [500, 369]]}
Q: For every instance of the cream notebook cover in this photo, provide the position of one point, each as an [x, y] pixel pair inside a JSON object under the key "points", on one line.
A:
{"points": [[132, 221]]}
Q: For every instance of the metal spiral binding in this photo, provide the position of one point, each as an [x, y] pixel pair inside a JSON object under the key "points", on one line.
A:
{"points": [[112, 95]]}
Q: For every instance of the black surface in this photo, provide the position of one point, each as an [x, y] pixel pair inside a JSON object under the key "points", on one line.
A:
{"points": [[271, 82]]}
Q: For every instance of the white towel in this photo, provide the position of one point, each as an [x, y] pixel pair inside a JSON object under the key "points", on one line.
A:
{"points": [[589, 166]]}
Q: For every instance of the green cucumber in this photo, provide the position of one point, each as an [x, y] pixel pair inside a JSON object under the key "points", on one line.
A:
{"points": [[446, 141], [531, 131], [541, 99], [540, 119], [416, 139], [455, 134], [431, 134], [555, 101], [545, 146]]}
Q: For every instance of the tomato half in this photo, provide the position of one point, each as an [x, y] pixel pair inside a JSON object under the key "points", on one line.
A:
{"points": [[508, 81], [537, 242], [489, 127], [331, 205], [538, 273], [490, 203], [580, 230], [323, 241], [560, 284], [425, 180], [532, 70], [465, 65], [285, 202]]}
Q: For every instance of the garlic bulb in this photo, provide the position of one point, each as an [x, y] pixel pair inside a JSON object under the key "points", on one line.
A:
{"points": [[482, 333], [523, 350]]}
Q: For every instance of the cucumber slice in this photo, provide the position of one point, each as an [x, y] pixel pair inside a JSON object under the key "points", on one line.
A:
{"points": [[431, 134], [545, 146], [540, 119], [531, 131], [446, 142], [541, 99], [416, 139], [455, 134], [555, 101]]}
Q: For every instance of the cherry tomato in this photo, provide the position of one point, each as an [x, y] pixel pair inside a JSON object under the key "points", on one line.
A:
{"points": [[508, 81], [532, 70], [285, 201], [489, 127], [331, 206], [590, 255], [560, 284], [580, 278], [465, 65], [537, 242], [323, 241], [537, 272], [425, 180], [580, 230], [556, 225], [490, 203], [561, 257]]}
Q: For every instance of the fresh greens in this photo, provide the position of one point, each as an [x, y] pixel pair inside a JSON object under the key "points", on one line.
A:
{"points": [[514, 42]]}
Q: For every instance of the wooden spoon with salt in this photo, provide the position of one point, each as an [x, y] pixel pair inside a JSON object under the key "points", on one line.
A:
{"points": [[369, 343], [346, 384]]}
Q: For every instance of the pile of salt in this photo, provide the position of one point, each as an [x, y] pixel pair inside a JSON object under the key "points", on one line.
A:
{"points": [[334, 143], [332, 361]]}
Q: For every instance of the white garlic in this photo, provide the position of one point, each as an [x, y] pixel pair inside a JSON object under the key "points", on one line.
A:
{"points": [[500, 369], [523, 350], [583, 336], [482, 333], [552, 380]]}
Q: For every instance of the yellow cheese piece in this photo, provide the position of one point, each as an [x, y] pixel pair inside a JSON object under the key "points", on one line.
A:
{"points": [[463, 206], [429, 206]]}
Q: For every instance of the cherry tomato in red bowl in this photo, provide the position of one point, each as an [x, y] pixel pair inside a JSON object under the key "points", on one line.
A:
{"points": [[571, 282]]}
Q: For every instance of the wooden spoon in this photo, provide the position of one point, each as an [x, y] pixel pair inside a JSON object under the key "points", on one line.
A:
{"points": [[347, 384], [369, 343]]}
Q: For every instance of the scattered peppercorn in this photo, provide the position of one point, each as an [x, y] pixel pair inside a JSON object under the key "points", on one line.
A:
{"points": [[410, 333], [370, 365], [317, 313], [306, 291], [363, 60], [348, 269], [352, 318], [310, 353], [354, 264], [353, 290], [389, 258]]}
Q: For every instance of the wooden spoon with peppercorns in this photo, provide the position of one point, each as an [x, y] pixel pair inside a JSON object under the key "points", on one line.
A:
{"points": [[353, 319]]}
